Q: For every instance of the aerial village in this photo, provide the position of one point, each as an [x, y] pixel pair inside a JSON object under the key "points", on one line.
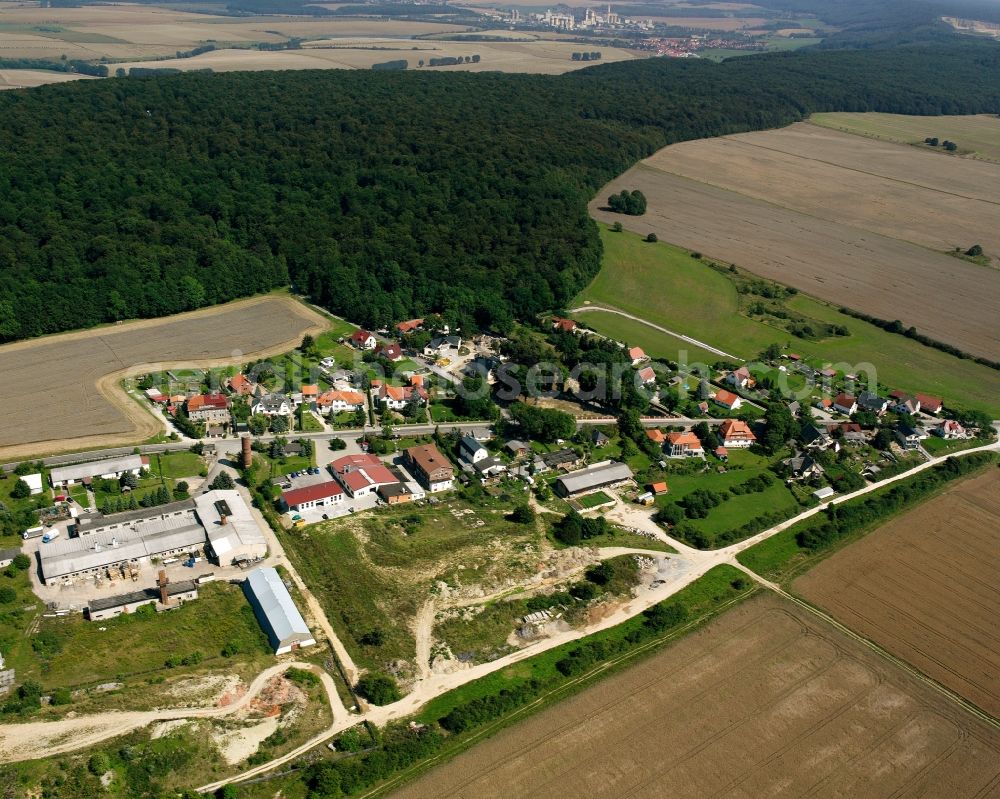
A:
{"points": [[379, 419]]}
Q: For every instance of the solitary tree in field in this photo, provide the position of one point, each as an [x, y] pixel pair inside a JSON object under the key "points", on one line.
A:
{"points": [[651, 238], [974, 251]]}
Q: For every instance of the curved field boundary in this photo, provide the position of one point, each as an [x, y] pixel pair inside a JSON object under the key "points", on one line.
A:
{"points": [[63, 393]]}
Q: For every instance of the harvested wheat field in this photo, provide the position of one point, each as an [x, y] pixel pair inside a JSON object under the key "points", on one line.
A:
{"points": [[538, 57], [29, 78], [145, 31], [62, 392], [977, 136], [764, 701], [924, 587], [852, 220]]}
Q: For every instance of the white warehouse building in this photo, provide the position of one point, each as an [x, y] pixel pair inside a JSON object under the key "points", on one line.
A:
{"points": [[276, 612]]}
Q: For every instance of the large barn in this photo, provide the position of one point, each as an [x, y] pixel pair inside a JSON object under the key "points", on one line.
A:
{"points": [[276, 612]]}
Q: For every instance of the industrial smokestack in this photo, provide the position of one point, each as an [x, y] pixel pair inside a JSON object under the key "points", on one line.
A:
{"points": [[247, 453], [162, 583]]}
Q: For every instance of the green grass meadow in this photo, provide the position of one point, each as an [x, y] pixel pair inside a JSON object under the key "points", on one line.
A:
{"points": [[667, 286]]}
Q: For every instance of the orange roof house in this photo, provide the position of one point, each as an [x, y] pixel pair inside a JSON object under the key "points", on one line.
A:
{"points": [[727, 399], [240, 384], [686, 444], [656, 435], [410, 325], [736, 433]]}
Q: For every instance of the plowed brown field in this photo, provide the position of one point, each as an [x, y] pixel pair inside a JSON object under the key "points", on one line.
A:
{"points": [[764, 701], [924, 586], [62, 392], [852, 220]]}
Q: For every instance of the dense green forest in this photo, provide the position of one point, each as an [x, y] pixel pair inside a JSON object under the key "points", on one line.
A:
{"points": [[381, 195]]}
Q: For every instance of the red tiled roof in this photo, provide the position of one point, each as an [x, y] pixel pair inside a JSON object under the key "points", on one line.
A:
{"points": [[360, 336], [636, 353], [658, 488], [347, 397], [656, 435], [210, 401], [563, 324], [736, 428], [727, 398], [311, 493], [844, 400], [240, 384], [349, 462], [647, 374], [928, 402], [687, 437], [410, 325]]}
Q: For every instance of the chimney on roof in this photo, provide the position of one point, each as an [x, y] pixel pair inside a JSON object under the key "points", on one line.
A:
{"points": [[223, 519], [162, 583]]}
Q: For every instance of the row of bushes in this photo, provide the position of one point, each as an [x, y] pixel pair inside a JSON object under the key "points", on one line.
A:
{"points": [[842, 520], [486, 708], [896, 326], [656, 620], [573, 528]]}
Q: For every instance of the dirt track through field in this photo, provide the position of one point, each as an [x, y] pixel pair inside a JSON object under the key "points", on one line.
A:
{"points": [[852, 220], [37, 739], [924, 588], [764, 701], [62, 392]]}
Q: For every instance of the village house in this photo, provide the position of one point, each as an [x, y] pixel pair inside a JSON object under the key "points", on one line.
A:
{"points": [[208, 408], [443, 345], [517, 449], [819, 438], [872, 403], [430, 467], [647, 376], [332, 402], [656, 435], [565, 325], [684, 445], [735, 433], [409, 326], [310, 393], [905, 403], [363, 340], [272, 405], [240, 385], [802, 466], [471, 451], [909, 436], [397, 398], [929, 404], [740, 378], [637, 355], [950, 429], [392, 352], [598, 438], [727, 399], [845, 404], [850, 432]]}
